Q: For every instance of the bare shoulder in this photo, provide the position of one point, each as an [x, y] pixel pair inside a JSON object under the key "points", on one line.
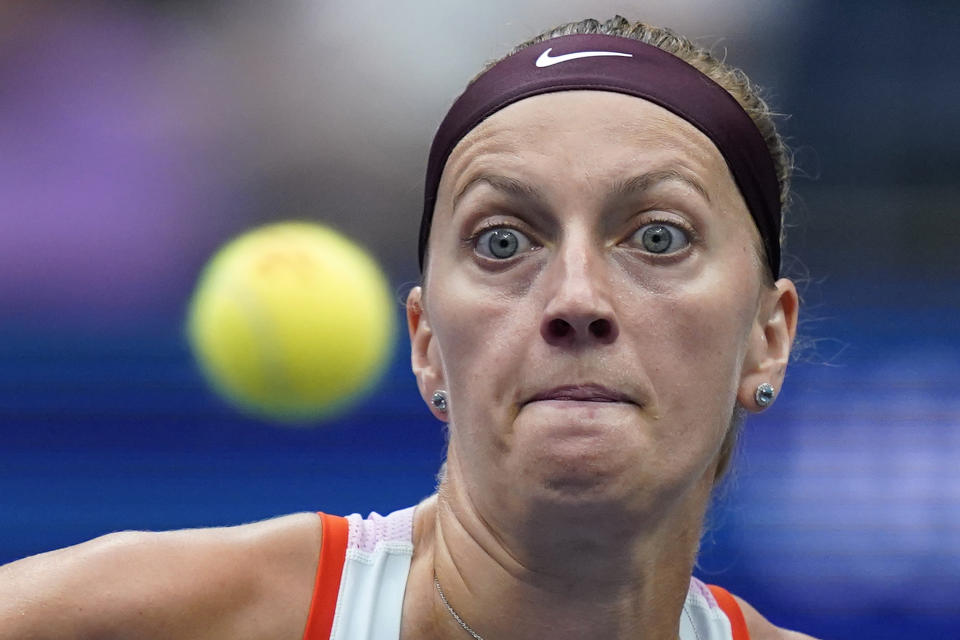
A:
{"points": [[762, 629], [249, 581]]}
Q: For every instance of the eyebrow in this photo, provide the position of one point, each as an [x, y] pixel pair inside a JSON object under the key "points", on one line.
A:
{"points": [[621, 188], [646, 181], [509, 186]]}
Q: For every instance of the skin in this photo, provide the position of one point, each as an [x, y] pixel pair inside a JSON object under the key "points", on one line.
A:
{"points": [[558, 518], [582, 513]]}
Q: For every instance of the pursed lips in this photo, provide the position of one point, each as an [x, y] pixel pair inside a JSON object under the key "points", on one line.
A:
{"points": [[581, 393]]}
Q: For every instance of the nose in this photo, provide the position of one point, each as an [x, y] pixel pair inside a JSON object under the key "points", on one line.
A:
{"points": [[579, 310]]}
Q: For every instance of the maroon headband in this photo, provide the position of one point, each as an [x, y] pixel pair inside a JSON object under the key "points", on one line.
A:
{"points": [[621, 65]]}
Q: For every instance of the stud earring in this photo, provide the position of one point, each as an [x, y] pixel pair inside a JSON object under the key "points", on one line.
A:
{"points": [[764, 394], [439, 401]]}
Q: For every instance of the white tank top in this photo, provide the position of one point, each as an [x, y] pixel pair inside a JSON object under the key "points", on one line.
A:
{"points": [[379, 550]]}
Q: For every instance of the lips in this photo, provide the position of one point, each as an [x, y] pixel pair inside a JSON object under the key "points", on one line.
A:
{"points": [[581, 393]]}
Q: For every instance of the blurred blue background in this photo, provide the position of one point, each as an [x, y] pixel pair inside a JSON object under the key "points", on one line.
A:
{"points": [[137, 137]]}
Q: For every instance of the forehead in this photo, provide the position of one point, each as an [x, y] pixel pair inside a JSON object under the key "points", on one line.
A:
{"points": [[592, 131]]}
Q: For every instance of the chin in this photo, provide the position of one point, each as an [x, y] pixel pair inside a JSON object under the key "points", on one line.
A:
{"points": [[581, 487], [575, 455], [580, 474]]}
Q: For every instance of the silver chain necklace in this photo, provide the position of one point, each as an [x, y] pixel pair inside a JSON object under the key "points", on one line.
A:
{"points": [[443, 599], [456, 616]]}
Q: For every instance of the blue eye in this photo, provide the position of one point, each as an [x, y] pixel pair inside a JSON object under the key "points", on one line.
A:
{"points": [[660, 237], [501, 243]]}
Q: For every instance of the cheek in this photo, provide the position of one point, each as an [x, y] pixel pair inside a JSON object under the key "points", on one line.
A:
{"points": [[484, 338], [705, 326], [479, 332], [693, 363]]}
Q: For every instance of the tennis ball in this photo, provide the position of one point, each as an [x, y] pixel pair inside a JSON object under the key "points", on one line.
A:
{"points": [[291, 321]]}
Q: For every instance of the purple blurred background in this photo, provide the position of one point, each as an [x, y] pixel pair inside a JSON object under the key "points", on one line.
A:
{"points": [[137, 137]]}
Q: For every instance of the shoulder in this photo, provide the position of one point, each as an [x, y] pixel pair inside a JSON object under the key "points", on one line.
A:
{"points": [[248, 581], [762, 629]]}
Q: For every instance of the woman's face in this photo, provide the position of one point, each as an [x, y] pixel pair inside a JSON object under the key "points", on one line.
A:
{"points": [[593, 304]]}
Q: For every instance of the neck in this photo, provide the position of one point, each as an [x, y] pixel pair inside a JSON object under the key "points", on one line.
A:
{"points": [[561, 579]]}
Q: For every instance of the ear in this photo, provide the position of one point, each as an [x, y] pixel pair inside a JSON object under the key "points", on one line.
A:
{"points": [[424, 351], [771, 339]]}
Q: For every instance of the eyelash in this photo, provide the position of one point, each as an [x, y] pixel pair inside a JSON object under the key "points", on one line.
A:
{"points": [[692, 236], [471, 240]]}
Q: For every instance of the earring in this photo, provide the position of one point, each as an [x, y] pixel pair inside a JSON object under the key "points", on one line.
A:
{"points": [[764, 394], [439, 401]]}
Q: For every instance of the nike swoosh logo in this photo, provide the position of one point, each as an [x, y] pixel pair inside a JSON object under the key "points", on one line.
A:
{"points": [[545, 60]]}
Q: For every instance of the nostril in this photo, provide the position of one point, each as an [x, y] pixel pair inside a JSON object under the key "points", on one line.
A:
{"points": [[601, 328], [563, 331], [559, 327]]}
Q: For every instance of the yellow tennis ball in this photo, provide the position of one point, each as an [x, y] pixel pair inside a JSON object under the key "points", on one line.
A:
{"points": [[291, 321]]}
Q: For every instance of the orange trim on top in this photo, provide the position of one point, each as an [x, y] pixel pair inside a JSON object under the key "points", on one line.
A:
{"points": [[333, 551], [734, 614]]}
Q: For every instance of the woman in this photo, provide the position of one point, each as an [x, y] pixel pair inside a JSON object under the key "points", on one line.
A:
{"points": [[600, 304]]}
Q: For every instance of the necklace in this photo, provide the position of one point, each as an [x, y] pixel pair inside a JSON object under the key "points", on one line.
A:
{"points": [[456, 616], [443, 599]]}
